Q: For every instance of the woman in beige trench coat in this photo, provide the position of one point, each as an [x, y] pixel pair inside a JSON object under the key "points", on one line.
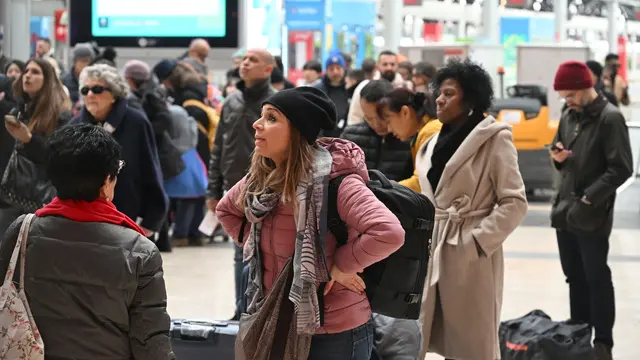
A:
{"points": [[470, 172]]}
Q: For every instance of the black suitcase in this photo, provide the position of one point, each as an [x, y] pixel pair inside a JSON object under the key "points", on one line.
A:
{"points": [[199, 340], [536, 337]]}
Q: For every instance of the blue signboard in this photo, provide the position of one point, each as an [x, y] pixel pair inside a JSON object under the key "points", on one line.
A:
{"points": [[305, 14]]}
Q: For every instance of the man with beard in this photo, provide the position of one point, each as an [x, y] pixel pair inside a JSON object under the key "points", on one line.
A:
{"points": [[387, 68], [593, 154]]}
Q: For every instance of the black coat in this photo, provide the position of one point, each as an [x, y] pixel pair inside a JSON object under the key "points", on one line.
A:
{"points": [[387, 154], [139, 192], [340, 97], [600, 162]]}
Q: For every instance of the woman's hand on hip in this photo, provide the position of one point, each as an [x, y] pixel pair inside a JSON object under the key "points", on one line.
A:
{"points": [[352, 282], [19, 131]]}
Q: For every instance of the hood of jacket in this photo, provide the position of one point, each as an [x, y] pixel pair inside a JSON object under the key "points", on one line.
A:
{"points": [[348, 158], [191, 92]]}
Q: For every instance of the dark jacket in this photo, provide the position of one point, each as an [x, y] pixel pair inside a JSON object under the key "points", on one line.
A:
{"points": [[35, 150], [340, 97], [96, 290], [385, 153], [199, 93], [139, 192], [600, 162], [72, 83], [235, 141], [150, 100]]}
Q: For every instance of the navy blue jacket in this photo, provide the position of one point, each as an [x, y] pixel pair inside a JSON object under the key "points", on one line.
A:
{"points": [[139, 191]]}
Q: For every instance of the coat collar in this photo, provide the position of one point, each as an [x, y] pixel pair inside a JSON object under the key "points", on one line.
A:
{"points": [[112, 121], [478, 137]]}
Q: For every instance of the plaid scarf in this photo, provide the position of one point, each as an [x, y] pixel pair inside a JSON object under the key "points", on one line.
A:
{"points": [[309, 261]]}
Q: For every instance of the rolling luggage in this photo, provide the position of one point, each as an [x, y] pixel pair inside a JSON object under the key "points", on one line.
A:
{"points": [[198, 340]]}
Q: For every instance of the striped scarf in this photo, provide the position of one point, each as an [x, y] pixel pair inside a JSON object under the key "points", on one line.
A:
{"points": [[309, 261]]}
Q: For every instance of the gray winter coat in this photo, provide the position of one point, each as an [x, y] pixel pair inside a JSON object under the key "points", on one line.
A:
{"points": [[184, 129], [96, 290]]}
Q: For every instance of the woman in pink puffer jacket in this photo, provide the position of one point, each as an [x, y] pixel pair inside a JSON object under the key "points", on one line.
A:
{"points": [[280, 201]]}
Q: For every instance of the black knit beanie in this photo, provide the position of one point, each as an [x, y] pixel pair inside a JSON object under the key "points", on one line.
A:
{"points": [[308, 109]]}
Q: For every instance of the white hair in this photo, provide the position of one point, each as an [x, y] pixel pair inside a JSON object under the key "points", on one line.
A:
{"points": [[113, 80]]}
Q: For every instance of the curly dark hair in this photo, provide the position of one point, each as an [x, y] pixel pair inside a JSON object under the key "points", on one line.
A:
{"points": [[79, 160], [476, 84]]}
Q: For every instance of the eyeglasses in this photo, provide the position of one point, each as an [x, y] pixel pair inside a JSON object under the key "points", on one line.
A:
{"points": [[96, 89], [121, 165]]}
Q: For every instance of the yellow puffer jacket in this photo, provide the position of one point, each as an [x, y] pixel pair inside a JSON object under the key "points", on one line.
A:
{"points": [[430, 128]]}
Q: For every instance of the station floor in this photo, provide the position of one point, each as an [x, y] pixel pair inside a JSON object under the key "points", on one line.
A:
{"points": [[200, 280]]}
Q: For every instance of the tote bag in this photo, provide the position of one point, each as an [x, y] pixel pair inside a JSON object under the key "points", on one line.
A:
{"points": [[19, 335]]}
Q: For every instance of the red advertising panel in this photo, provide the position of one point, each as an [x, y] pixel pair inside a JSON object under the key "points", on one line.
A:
{"points": [[61, 20]]}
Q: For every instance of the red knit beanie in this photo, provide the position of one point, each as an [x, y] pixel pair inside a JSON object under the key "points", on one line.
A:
{"points": [[572, 75]]}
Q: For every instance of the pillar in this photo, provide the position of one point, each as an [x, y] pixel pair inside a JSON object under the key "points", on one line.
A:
{"points": [[560, 8], [491, 21], [612, 34], [462, 23], [392, 24], [15, 19]]}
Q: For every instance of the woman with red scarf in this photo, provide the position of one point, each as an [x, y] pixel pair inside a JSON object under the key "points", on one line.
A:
{"points": [[94, 281]]}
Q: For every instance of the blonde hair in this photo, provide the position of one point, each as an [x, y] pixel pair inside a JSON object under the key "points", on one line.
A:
{"points": [[264, 175]]}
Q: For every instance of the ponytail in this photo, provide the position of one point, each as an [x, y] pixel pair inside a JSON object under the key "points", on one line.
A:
{"points": [[421, 103]]}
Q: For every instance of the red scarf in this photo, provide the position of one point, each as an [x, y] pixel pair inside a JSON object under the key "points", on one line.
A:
{"points": [[98, 210]]}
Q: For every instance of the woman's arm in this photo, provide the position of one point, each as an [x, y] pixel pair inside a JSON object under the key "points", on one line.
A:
{"points": [[148, 317], [36, 149], [379, 233], [231, 216], [511, 199]]}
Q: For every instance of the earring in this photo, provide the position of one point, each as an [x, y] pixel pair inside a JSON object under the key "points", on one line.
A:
{"points": [[470, 112]]}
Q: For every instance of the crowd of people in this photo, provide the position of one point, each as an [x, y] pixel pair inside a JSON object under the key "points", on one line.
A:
{"points": [[120, 160]]}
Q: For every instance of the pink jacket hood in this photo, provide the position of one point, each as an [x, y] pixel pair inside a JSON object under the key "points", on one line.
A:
{"points": [[348, 158]]}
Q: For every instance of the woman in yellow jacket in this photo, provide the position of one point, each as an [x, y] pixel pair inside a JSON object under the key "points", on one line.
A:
{"points": [[409, 116]]}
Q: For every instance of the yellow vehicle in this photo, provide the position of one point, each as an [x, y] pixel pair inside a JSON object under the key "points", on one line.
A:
{"points": [[526, 109]]}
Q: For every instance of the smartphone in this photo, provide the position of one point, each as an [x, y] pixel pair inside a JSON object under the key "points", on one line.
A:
{"points": [[11, 119]]}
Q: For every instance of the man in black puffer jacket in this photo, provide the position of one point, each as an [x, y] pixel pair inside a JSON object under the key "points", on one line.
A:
{"points": [[382, 150], [235, 141]]}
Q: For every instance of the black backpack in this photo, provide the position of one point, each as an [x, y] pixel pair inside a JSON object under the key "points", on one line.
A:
{"points": [[395, 284]]}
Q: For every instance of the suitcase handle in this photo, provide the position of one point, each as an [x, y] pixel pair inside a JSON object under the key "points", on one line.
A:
{"points": [[202, 323]]}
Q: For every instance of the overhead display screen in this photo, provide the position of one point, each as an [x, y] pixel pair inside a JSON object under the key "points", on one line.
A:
{"points": [[158, 18]]}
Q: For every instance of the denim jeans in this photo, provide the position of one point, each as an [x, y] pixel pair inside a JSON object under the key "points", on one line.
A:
{"points": [[355, 344], [188, 216]]}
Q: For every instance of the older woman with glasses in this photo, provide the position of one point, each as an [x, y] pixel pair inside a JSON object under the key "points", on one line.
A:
{"points": [[89, 297], [139, 193]]}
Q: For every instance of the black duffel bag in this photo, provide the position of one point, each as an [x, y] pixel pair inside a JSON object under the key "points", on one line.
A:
{"points": [[536, 337]]}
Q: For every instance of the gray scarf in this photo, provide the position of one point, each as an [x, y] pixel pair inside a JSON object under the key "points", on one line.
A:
{"points": [[309, 261]]}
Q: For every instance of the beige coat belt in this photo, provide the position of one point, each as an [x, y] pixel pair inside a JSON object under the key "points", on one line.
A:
{"points": [[452, 219]]}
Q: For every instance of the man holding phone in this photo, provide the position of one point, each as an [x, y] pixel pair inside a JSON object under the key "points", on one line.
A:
{"points": [[593, 154]]}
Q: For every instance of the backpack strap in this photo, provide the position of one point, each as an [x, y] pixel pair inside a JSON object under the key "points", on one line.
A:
{"points": [[337, 227], [213, 117]]}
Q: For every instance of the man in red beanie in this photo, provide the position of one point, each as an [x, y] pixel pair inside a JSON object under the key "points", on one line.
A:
{"points": [[593, 154]]}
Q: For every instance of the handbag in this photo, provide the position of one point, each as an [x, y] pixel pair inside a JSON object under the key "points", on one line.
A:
{"points": [[24, 340], [24, 184], [270, 333]]}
